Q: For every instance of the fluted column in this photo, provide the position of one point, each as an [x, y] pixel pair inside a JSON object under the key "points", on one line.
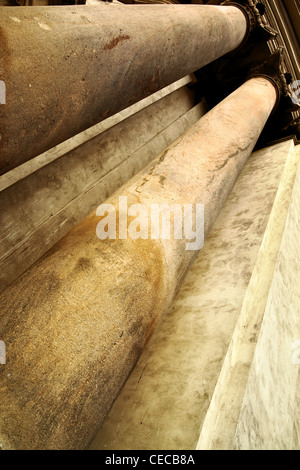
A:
{"points": [[76, 322], [67, 68]]}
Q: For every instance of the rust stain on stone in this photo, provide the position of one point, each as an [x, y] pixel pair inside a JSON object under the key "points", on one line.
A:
{"points": [[161, 180], [83, 264], [115, 41]]}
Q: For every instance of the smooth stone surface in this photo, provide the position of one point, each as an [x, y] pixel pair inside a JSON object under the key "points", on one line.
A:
{"points": [[35, 164], [269, 417], [219, 427], [166, 398]]}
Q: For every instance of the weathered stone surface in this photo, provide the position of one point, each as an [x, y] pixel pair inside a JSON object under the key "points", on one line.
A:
{"points": [[62, 193], [76, 322], [269, 414], [248, 409], [165, 400], [67, 68]]}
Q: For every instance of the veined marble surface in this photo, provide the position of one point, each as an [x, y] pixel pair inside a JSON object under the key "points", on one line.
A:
{"points": [[166, 398], [29, 167], [270, 414], [218, 431]]}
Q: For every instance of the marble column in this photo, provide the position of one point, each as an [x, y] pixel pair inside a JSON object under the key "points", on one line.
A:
{"points": [[75, 323], [66, 68]]}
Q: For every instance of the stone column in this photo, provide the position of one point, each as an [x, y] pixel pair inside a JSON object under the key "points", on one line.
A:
{"points": [[67, 68], [76, 322]]}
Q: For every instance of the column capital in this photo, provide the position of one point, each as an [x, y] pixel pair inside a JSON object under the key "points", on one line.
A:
{"points": [[253, 12], [262, 53], [271, 69]]}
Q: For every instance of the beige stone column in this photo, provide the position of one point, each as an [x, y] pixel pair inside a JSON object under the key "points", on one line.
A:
{"points": [[66, 68], [76, 322]]}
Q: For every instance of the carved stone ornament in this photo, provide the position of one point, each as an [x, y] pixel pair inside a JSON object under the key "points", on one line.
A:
{"points": [[253, 12], [254, 58]]}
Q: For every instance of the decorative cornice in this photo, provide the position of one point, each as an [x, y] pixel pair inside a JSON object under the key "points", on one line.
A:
{"points": [[262, 55]]}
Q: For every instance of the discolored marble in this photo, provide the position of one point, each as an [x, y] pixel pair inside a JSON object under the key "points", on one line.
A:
{"points": [[166, 398], [269, 417], [77, 321], [219, 428]]}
